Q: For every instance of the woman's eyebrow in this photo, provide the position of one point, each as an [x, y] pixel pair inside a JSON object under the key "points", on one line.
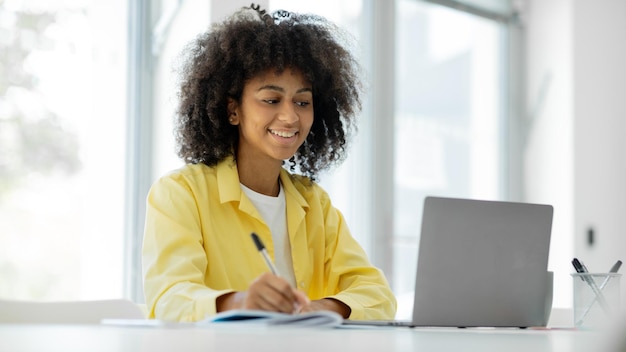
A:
{"points": [[281, 89]]}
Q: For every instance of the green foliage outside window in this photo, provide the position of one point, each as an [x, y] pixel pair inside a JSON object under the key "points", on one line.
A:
{"points": [[33, 140]]}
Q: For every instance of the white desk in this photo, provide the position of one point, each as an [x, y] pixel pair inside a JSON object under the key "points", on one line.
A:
{"points": [[67, 338]]}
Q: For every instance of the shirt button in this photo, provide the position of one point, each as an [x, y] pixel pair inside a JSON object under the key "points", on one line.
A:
{"points": [[301, 284]]}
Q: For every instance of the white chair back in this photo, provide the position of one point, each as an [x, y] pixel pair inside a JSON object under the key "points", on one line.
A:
{"points": [[71, 312]]}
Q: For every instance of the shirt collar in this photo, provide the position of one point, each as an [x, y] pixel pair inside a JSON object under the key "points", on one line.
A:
{"points": [[229, 189], [228, 180]]}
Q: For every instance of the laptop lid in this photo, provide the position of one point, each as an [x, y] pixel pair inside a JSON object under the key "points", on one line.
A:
{"points": [[482, 263]]}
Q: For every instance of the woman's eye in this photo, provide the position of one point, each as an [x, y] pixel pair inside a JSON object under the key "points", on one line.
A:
{"points": [[271, 101], [303, 103]]}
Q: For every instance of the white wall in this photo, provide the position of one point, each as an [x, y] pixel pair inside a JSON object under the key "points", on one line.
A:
{"points": [[599, 29], [576, 104], [548, 154]]}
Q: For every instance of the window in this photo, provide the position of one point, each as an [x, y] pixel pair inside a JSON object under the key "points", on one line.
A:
{"points": [[433, 122], [62, 149], [449, 120]]}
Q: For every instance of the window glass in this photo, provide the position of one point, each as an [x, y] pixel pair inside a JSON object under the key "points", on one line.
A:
{"points": [[62, 142], [178, 25], [502, 7], [449, 120]]}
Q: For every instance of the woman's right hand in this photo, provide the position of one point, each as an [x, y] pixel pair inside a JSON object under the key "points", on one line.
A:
{"points": [[267, 292]]}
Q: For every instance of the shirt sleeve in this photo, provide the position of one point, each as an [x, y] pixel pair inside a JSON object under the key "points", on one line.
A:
{"points": [[173, 257], [357, 283]]}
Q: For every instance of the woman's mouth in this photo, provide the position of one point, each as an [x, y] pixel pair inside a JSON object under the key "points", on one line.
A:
{"points": [[283, 134]]}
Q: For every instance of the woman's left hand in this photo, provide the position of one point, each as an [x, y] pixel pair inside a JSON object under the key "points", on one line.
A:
{"points": [[327, 304]]}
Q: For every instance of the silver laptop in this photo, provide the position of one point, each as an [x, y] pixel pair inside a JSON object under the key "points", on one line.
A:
{"points": [[481, 264]]}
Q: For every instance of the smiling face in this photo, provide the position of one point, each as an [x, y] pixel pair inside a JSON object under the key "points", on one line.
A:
{"points": [[274, 116]]}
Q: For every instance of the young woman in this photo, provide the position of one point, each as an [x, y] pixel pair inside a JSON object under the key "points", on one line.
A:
{"points": [[266, 102]]}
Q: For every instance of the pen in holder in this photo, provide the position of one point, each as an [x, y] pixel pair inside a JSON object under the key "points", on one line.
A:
{"points": [[595, 305]]}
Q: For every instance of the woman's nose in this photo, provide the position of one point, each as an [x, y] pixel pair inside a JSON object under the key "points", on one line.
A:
{"points": [[288, 113]]}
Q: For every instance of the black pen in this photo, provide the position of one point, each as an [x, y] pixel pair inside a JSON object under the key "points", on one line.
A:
{"points": [[615, 267], [579, 269], [261, 247], [582, 269]]}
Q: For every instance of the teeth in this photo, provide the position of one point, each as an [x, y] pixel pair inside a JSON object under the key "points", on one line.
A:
{"points": [[283, 134]]}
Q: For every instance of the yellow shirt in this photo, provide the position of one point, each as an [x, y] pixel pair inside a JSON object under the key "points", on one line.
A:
{"points": [[197, 246]]}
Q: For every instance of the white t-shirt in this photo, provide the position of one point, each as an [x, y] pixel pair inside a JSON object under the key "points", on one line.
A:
{"points": [[274, 212]]}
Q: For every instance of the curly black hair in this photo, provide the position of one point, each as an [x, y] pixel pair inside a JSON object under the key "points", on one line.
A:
{"points": [[250, 42]]}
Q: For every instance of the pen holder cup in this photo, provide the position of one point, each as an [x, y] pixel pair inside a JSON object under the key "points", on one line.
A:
{"points": [[596, 299]]}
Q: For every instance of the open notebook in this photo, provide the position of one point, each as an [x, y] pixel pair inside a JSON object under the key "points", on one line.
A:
{"points": [[481, 263], [245, 317], [318, 318]]}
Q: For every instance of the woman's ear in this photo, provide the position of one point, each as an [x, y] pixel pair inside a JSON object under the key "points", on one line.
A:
{"points": [[233, 118]]}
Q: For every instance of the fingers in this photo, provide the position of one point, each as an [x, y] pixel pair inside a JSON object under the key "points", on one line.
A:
{"points": [[302, 301], [273, 293], [327, 304]]}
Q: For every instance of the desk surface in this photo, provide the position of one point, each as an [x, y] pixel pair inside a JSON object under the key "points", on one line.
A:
{"points": [[26, 338]]}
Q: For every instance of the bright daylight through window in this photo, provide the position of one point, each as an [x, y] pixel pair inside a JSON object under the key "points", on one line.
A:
{"points": [[62, 141], [63, 130]]}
